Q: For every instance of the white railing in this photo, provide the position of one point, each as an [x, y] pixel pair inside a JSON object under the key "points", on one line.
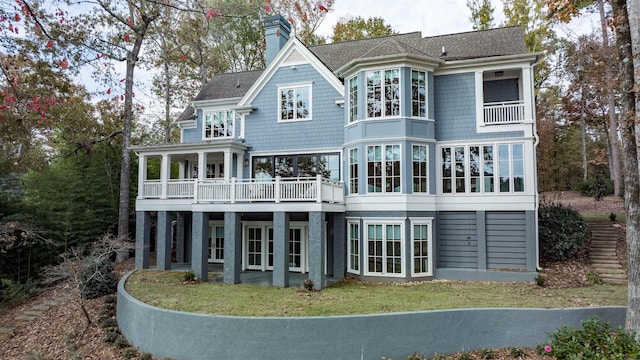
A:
{"points": [[309, 189], [507, 112]]}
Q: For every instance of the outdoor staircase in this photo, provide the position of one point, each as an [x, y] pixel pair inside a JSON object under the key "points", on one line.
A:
{"points": [[602, 253], [24, 318]]}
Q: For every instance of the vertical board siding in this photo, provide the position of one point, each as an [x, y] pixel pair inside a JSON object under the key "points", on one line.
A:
{"points": [[457, 242], [506, 240]]}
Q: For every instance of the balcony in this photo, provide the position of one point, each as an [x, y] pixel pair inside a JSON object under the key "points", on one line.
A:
{"points": [[232, 191], [506, 112]]}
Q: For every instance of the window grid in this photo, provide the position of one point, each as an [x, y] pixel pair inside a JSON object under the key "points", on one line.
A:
{"points": [[383, 167], [392, 168], [295, 103], [475, 168], [384, 249], [353, 99], [383, 93], [421, 242], [419, 155], [353, 171], [418, 94], [219, 124], [354, 247]]}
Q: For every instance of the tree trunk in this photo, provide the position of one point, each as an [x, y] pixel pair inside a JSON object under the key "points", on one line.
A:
{"points": [[630, 160], [583, 126], [613, 121], [167, 92]]}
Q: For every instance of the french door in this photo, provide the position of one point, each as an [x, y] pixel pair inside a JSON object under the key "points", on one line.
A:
{"points": [[216, 242], [258, 247]]}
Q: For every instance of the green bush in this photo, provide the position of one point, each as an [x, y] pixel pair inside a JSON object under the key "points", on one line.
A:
{"points": [[488, 353], [561, 231], [97, 278], [14, 293], [597, 188], [189, 276], [145, 356], [595, 340]]}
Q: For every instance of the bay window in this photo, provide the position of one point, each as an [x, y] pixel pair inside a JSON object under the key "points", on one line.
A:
{"points": [[383, 167], [384, 249]]}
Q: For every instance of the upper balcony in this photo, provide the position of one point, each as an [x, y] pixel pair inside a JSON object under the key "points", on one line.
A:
{"points": [[504, 93], [277, 190]]}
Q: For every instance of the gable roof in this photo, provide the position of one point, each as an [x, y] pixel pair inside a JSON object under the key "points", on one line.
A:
{"points": [[459, 46]]}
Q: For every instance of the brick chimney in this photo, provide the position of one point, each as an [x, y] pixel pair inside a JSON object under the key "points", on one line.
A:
{"points": [[276, 34]]}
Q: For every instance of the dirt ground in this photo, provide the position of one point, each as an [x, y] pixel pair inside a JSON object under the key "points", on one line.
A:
{"points": [[64, 333]]}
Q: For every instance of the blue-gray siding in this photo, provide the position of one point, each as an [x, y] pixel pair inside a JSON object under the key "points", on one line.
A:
{"points": [[265, 133], [457, 240], [455, 109], [506, 240]]}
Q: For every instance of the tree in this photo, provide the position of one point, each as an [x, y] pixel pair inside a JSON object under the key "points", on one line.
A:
{"points": [[354, 28], [626, 33], [305, 17], [481, 14]]}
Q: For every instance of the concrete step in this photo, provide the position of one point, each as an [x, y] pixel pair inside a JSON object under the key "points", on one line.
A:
{"points": [[605, 265], [604, 258], [612, 276]]}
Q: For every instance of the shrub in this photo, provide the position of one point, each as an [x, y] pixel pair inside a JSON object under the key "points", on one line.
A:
{"points": [[488, 354], [416, 356], [464, 355], [121, 342], [15, 293], [595, 340], [97, 278], [145, 356], [517, 352], [593, 278], [308, 284], [540, 280], [129, 353], [108, 322], [110, 336], [561, 231], [438, 356], [189, 276], [612, 216], [597, 188]]}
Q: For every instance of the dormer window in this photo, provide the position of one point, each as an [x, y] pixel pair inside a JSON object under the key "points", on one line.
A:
{"points": [[383, 93], [218, 124], [295, 102]]}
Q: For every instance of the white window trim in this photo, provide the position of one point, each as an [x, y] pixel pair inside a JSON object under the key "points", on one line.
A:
{"points": [[496, 169], [427, 174], [400, 85], [308, 85], [348, 176], [422, 221], [365, 242], [426, 95], [212, 225], [349, 249], [348, 102], [204, 124], [384, 175]]}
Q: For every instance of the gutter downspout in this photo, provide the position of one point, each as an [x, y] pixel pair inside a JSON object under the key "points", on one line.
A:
{"points": [[535, 148]]}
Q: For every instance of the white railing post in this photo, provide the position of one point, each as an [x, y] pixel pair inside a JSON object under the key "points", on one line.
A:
{"points": [[142, 174], [276, 192], [232, 190], [319, 188], [196, 193]]}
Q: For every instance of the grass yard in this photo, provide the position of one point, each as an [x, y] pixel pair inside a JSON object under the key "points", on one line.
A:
{"points": [[166, 290]]}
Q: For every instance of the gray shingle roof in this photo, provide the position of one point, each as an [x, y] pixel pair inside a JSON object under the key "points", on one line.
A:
{"points": [[460, 46], [223, 86]]}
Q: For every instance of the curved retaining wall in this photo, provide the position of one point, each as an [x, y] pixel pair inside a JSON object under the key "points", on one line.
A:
{"points": [[181, 336]]}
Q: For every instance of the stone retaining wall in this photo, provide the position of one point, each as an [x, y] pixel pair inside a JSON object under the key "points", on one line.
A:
{"points": [[182, 336]]}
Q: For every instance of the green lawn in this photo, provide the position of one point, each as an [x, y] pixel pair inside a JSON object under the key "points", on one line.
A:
{"points": [[165, 290]]}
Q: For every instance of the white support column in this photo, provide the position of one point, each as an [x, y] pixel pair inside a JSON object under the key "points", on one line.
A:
{"points": [[239, 166], [165, 174], [202, 165], [527, 92], [242, 122], [142, 174], [181, 170], [228, 160], [479, 99]]}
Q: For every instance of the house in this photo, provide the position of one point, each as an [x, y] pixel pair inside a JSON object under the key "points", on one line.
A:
{"points": [[398, 158]]}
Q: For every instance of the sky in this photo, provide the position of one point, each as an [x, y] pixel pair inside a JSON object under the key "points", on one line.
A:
{"points": [[431, 17]]}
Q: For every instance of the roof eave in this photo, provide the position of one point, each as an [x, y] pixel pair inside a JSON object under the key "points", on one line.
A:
{"points": [[532, 58], [215, 102], [356, 64]]}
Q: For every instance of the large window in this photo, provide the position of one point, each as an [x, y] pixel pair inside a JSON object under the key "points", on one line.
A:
{"points": [[418, 94], [384, 249], [353, 171], [301, 165], [383, 168], [383, 93], [419, 155], [295, 103], [218, 124], [476, 169], [353, 263], [421, 247], [353, 99]]}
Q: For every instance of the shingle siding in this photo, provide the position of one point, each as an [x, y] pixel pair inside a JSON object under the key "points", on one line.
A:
{"points": [[194, 135], [455, 109], [265, 133]]}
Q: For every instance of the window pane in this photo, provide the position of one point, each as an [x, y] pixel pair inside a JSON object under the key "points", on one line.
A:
{"points": [[518, 167], [353, 99], [503, 167], [302, 103], [262, 168], [460, 170], [284, 166], [353, 171], [474, 168], [374, 94], [286, 104], [418, 94], [446, 170], [392, 92]]}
